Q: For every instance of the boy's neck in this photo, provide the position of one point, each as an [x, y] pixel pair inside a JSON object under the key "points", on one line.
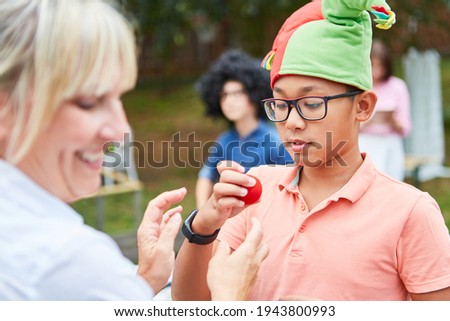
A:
{"points": [[246, 125], [318, 183]]}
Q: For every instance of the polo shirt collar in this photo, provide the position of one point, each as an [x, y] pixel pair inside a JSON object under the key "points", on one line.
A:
{"points": [[360, 181], [352, 190], [290, 180]]}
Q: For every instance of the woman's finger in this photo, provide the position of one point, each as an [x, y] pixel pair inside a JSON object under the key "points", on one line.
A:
{"points": [[254, 237], [157, 206], [167, 215], [166, 241]]}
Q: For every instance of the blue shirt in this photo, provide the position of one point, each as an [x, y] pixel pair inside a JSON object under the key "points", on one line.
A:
{"points": [[48, 253], [262, 146]]}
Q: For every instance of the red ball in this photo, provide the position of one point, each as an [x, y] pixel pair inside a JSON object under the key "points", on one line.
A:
{"points": [[254, 192]]}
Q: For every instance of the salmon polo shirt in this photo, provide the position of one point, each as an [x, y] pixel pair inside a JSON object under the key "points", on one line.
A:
{"points": [[374, 239]]}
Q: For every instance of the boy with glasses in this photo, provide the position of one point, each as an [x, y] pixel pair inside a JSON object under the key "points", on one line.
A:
{"points": [[337, 228], [231, 89]]}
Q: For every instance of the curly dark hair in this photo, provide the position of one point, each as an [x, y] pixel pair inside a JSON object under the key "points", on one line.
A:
{"points": [[238, 66]]}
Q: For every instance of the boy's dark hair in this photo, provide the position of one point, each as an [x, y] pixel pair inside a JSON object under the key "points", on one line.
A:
{"points": [[238, 66], [380, 50]]}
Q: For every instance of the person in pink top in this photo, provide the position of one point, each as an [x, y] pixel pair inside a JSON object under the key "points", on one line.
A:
{"points": [[382, 135], [336, 227]]}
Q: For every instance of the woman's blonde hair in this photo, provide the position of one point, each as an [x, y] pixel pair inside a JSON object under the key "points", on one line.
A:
{"points": [[52, 50]]}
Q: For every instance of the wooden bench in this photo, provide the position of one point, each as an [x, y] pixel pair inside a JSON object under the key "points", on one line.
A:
{"points": [[424, 168]]}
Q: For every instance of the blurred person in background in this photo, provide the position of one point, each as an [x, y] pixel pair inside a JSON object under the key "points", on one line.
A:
{"points": [[64, 66], [232, 88], [382, 135]]}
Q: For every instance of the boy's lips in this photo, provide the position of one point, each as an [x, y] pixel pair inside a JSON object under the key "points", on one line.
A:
{"points": [[296, 145]]}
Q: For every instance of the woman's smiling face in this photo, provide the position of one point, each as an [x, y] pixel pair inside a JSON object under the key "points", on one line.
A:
{"points": [[66, 158]]}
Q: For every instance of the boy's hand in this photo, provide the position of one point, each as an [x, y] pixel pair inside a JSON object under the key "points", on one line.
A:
{"points": [[224, 203]]}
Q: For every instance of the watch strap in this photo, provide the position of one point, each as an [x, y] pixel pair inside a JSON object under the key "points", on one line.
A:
{"points": [[193, 237]]}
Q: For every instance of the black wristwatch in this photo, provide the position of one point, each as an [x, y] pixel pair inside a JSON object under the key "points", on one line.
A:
{"points": [[196, 238]]}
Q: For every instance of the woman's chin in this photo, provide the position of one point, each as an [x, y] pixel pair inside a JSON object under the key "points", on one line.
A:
{"points": [[84, 192]]}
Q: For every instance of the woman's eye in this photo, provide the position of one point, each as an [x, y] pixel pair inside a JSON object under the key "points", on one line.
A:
{"points": [[86, 104]]}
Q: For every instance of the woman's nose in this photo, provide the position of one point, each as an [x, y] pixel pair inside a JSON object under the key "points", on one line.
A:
{"points": [[117, 124]]}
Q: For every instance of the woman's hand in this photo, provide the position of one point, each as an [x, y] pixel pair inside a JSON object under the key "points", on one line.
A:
{"points": [[232, 275], [156, 238]]}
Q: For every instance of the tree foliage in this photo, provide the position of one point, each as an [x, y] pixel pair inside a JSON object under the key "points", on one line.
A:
{"points": [[167, 27], [167, 21]]}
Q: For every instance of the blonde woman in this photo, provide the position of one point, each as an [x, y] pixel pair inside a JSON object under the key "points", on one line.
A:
{"points": [[63, 68]]}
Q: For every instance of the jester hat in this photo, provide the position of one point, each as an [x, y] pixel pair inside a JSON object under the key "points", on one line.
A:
{"points": [[329, 39]]}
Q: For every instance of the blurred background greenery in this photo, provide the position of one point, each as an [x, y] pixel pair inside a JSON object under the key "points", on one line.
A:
{"points": [[178, 39]]}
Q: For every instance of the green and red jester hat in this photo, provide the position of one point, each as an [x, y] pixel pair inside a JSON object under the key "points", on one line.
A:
{"points": [[329, 39]]}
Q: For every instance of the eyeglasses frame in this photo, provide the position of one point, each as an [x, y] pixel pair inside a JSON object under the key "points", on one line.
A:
{"points": [[294, 103]]}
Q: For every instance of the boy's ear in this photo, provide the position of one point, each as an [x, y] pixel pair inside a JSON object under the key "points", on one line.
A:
{"points": [[365, 105]]}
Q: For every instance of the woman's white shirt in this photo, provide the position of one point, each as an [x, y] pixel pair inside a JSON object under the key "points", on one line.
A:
{"points": [[48, 253]]}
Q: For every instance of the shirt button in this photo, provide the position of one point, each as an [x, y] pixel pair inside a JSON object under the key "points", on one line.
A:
{"points": [[302, 207], [302, 228]]}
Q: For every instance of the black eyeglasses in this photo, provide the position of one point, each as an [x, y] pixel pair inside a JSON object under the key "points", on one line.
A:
{"points": [[308, 107]]}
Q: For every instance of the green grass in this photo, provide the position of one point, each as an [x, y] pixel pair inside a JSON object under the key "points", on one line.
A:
{"points": [[157, 112]]}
